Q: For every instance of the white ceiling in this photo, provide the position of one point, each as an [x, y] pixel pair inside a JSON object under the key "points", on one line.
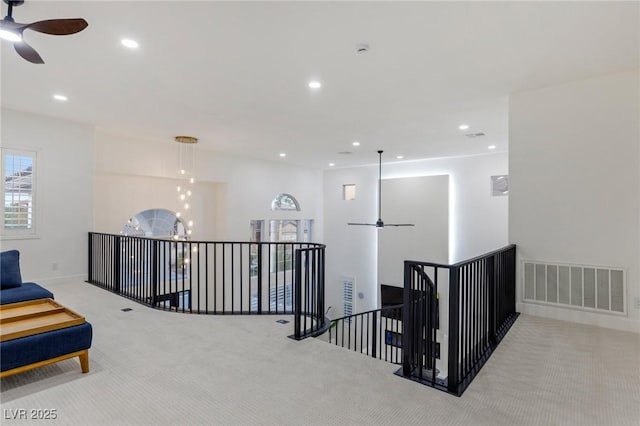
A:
{"points": [[235, 74]]}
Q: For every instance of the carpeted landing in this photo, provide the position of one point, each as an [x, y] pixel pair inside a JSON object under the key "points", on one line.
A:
{"points": [[151, 367]]}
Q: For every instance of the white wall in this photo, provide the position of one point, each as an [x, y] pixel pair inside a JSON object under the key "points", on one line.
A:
{"points": [[477, 222], [351, 250], [575, 184], [423, 202], [65, 194], [122, 196], [244, 187]]}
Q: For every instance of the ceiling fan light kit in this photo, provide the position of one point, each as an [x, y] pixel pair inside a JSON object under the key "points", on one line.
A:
{"points": [[380, 223], [11, 30]]}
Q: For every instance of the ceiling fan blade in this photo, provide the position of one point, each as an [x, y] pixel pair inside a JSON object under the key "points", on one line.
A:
{"points": [[399, 224], [27, 52], [58, 26], [362, 224]]}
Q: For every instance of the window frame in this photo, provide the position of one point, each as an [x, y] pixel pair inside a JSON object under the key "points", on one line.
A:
{"points": [[348, 191], [36, 156]]}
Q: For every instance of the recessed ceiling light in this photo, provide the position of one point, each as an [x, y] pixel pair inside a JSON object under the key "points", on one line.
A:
{"points": [[463, 126], [315, 84], [59, 97], [131, 44], [356, 143], [399, 157], [491, 147], [283, 154], [332, 164]]}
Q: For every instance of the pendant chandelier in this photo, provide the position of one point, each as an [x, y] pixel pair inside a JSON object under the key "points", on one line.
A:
{"points": [[187, 157]]}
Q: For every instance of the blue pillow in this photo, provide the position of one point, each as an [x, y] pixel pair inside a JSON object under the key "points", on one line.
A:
{"points": [[10, 269]]}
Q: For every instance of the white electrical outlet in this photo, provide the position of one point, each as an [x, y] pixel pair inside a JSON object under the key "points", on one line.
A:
{"points": [[54, 266], [636, 302]]}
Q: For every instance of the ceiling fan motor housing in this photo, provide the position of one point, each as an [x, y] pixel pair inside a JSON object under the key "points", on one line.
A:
{"points": [[13, 2]]}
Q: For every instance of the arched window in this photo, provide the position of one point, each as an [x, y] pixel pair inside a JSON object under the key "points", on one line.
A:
{"points": [[285, 202], [158, 223]]}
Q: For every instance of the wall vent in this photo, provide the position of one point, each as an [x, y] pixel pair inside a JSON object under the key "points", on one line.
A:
{"points": [[591, 288], [348, 289]]}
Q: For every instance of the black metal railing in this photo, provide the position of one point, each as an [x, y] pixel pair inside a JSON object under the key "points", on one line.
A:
{"points": [[202, 277], [481, 305], [308, 292], [376, 333], [421, 322]]}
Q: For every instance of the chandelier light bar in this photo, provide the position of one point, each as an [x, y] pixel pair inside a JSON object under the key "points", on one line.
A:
{"points": [[186, 139]]}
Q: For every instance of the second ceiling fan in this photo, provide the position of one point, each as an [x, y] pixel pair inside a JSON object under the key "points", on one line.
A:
{"points": [[12, 31], [380, 223]]}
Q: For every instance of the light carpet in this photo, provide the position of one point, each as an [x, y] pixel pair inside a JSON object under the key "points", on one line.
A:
{"points": [[151, 367]]}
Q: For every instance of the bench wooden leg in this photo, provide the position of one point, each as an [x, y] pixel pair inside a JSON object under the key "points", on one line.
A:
{"points": [[84, 361]]}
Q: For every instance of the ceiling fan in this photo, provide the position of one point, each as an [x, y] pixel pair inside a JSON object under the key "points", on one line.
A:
{"points": [[12, 31], [379, 223]]}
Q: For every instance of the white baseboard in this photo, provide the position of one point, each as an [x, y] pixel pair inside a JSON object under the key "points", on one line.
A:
{"points": [[581, 317], [59, 280]]}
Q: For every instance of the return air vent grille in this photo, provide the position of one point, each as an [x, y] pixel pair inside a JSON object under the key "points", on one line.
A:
{"points": [[593, 288]]}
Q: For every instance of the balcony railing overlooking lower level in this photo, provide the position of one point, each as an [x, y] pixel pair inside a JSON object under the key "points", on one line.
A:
{"points": [[451, 319], [480, 296], [376, 333], [202, 277]]}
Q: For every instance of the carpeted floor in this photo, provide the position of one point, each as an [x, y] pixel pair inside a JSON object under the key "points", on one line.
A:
{"points": [[160, 368]]}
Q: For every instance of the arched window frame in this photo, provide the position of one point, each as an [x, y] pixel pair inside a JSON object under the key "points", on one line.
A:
{"points": [[176, 226], [286, 202]]}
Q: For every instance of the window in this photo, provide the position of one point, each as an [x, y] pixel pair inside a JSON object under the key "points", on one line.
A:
{"points": [[161, 224], [156, 223], [281, 230], [285, 202], [19, 190], [349, 192], [256, 230]]}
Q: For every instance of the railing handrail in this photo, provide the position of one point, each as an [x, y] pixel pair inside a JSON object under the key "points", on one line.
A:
{"points": [[422, 273], [368, 312], [172, 240], [462, 262]]}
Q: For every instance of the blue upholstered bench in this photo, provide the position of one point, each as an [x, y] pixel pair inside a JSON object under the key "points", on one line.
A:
{"points": [[26, 353], [12, 289], [27, 291], [39, 349]]}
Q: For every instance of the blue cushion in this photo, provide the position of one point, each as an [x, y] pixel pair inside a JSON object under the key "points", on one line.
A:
{"points": [[10, 269], [39, 347], [28, 291]]}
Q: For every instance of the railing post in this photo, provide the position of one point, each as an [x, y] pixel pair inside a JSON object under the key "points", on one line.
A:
{"points": [[320, 291], [154, 272], [117, 257], [259, 272], [297, 288], [454, 325], [492, 273], [407, 322], [90, 258], [511, 278], [374, 338]]}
